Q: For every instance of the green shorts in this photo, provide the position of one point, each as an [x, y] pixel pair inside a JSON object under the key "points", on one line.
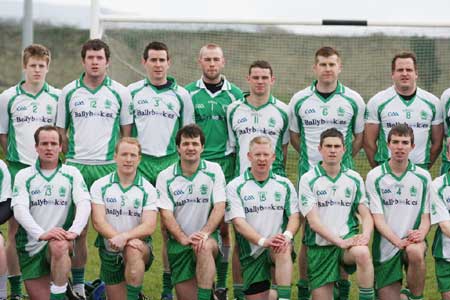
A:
{"points": [[256, 269], [182, 260], [324, 264], [445, 167], [14, 167], [112, 267], [35, 266], [151, 166], [228, 163], [390, 271], [442, 271], [91, 173]]}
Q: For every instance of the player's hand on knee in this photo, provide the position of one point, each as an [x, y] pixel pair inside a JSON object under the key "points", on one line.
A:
{"points": [[119, 241], [361, 240], [56, 233], [416, 236], [70, 236], [136, 244], [198, 240]]}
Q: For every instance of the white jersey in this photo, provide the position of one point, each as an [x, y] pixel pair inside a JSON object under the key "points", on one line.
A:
{"points": [[93, 119], [159, 114], [123, 206], [387, 109], [21, 114], [311, 114], [265, 206], [50, 199], [445, 101], [440, 207], [337, 200], [400, 199], [5, 182], [246, 122], [191, 199]]}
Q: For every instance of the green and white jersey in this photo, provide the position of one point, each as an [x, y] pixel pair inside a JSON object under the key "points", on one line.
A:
{"points": [[158, 114], [400, 199], [93, 119], [440, 207], [50, 199], [445, 101], [123, 206], [387, 108], [265, 206], [210, 114], [5, 182], [311, 114], [191, 199], [246, 122], [337, 200], [21, 114]]}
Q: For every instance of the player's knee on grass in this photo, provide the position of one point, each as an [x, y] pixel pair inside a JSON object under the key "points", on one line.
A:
{"points": [[361, 255], [209, 248], [132, 253]]}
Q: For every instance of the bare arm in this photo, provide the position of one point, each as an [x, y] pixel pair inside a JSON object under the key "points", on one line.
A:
{"points": [[146, 228], [357, 143], [215, 218], [63, 133], [437, 134], [387, 232], [4, 142], [173, 227], [295, 140], [125, 130], [419, 235], [370, 142], [293, 223], [366, 221], [247, 231], [99, 222], [445, 227]]}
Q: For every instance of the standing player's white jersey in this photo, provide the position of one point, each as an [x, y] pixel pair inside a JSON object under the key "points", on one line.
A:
{"points": [[387, 108], [440, 207], [21, 114], [265, 206], [311, 114], [159, 114], [337, 200], [123, 207], [93, 119], [445, 101], [246, 122], [50, 199], [402, 200], [191, 199], [5, 182]]}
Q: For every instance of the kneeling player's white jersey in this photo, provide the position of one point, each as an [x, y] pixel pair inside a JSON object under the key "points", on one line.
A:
{"points": [[336, 199], [123, 206], [5, 182], [21, 114], [93, 119], [246, 122], [191, 199], [400, 199], [50, 199], [387, 108], [311, 114], [265, 206], [159, 114], [440, 207]]}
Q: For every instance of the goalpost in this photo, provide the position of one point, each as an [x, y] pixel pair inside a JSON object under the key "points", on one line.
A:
{"points": [[366, 47]]}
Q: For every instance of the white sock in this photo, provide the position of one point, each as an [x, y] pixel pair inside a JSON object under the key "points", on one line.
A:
{"points": [[3, 290], [79, 289], [58, 289]]}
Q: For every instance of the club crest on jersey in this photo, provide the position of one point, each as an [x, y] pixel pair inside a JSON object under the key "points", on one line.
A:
{"points": [[203, 189], [108, 104], [170, 106], [131, 109], [262, 196], [340, 111], [49, 109], [413, 191], [277, 196], [433, 209], [304, 200], [137, 203], [272, 122], [423, 115], [348, 192], [62, 191]]}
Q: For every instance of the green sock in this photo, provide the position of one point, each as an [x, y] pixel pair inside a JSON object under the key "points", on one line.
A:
{"points": [[412, 297], [366, 294], [78, 275], [61, 296], [303, 289], [222, 273], [344, 289], [238, 291], [204, 294], [133, 292], [15, 283], [284, 292], [167, 284]]}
